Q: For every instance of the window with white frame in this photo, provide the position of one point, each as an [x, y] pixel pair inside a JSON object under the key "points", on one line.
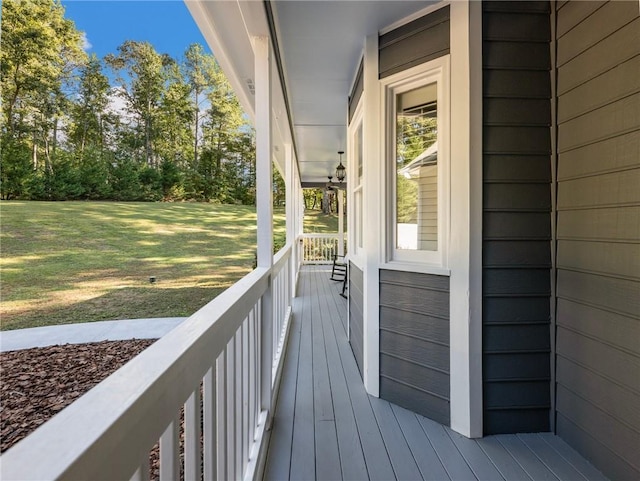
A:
{"points": [[356, 163], [417, 140]]}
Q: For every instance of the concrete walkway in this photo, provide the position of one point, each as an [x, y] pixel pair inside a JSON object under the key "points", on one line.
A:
{"points": [[87, 332]]}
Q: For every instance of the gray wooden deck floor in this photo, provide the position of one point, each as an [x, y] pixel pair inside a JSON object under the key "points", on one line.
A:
{"points": [[326, 427]]}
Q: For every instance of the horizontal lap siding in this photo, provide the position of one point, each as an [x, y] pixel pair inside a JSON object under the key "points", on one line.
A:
{"points": [[356, 336], [417, 42], [598, 231], [414, 342], [356, 91], [516, 218]]}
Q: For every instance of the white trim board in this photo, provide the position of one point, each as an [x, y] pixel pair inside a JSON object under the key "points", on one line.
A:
{"points": [[465, 254]]}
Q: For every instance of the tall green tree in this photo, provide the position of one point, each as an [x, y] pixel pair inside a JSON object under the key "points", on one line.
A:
{"points": [[200, 72], [175, 112], [222, 132], [89, 114], [140, 76], [40, 52]]}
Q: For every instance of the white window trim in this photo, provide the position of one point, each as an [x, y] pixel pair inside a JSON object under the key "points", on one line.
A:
{"points": [[438, 71], [355, 183]]}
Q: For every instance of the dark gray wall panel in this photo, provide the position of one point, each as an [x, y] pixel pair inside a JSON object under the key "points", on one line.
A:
{"points": [[516, 139], [506, 421], [516, 168], [597, 452], [414, 342], [598, 231], [519, 6], [515, 310], [518, 197], [525, 226], [516, 220], [521, 394], [501, 111], [357, 90], [418, 351], [516, 366], [415, 375], [355, 313], [517, 337], [413, 299], [514, 26], [523, 281], [417, 42], [516, 55], [523, 253], [416, 400], [508, 83], [420, 326]]}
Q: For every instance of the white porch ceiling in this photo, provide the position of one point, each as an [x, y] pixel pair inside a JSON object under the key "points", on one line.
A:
{"points": [[320, 45]]}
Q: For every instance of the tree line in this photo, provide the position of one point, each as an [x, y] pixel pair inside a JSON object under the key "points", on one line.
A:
{"points": [[134, 125]]}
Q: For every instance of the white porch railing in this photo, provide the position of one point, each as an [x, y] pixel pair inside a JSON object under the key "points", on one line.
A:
{"points": [[319, 248], [210, 365]]}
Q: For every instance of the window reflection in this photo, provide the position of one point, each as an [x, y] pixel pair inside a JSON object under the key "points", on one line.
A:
{"points": [[417, 169]]}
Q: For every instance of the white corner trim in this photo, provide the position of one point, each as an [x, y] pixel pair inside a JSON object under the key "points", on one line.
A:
{"points": [[465, 259], [373, 215]]}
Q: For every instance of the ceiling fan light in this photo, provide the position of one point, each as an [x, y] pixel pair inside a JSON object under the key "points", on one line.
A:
{"points": [[341, 171]]}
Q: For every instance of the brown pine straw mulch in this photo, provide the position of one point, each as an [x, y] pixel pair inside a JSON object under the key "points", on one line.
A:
{"points": [[38, 383]]}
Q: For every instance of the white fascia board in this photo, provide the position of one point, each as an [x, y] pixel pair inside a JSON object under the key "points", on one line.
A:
{"points": [[228, 44]]}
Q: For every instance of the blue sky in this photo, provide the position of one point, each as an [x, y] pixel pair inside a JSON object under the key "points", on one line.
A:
{"points": [[166, 24]]}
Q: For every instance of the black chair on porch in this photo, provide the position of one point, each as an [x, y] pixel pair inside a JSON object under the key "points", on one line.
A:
{"points": [[340, 272]]}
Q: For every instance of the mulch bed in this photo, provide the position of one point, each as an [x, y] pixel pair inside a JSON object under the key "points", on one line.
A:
{"points": [[38, 383]]}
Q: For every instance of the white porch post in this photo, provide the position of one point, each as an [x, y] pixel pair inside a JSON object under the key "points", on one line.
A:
{"points": [[264, 206], [291, 187], [340, 194], [373, 216], [465, 256]]}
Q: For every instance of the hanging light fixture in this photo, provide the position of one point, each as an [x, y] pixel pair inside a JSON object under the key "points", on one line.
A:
{"points": [[329, 186], [340, 170]]}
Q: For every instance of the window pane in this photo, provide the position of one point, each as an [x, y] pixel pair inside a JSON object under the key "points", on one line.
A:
{"points": [[358, 181], [359, 152], [417, 169]]}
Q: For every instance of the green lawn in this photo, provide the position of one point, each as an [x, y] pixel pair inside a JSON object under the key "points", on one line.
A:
{"points": [[66, 262], [315, 222]]}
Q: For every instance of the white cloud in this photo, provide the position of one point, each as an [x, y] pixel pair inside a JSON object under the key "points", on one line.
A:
{"points": [[118, 105], [86, 45]]}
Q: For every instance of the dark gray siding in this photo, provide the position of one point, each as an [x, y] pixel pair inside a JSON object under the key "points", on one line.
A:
{"points": [[516, 216], [598, 233], [356, 91], [414, 342], [417, 42], [356, 336]]}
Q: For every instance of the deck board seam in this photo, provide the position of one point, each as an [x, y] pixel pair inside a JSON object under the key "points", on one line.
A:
{"points": [[333, 309]]}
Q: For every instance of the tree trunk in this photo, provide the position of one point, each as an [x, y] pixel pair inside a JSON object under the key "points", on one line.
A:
{"points": [[34, 152], [195, 137]]}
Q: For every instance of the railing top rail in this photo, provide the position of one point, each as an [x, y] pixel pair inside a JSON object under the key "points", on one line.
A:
{"points": [[319, 236], [281, 257], [136, 402]]}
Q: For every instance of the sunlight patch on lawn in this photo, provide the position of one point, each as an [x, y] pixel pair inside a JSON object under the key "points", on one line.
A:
{"points": [[18, 260]]}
